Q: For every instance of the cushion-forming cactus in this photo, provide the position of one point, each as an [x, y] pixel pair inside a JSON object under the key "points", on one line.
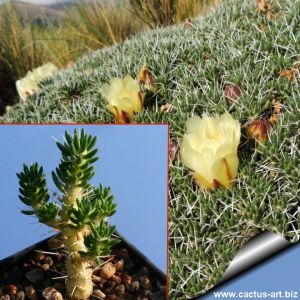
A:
{"points": [[82, 214], [231, 60]]}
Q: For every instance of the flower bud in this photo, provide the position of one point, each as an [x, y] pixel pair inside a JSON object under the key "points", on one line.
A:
{"points": [[209, 148], [188, 23], [174, 149], [232, 92], [124, 98], [258, 129], [147, 78], [28, 85]]}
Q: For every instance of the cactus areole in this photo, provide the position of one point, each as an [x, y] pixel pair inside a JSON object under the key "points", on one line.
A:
{"points": [[80, 213]]}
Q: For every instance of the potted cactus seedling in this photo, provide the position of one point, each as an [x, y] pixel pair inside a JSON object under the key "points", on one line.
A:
{"points": [[93, 255], [81, 216]]}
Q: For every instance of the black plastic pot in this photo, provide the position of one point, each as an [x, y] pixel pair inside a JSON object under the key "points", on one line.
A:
{"points": [[18, 258]]}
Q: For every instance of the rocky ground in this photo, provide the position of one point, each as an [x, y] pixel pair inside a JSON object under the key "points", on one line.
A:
{"points": [[41, 274]]}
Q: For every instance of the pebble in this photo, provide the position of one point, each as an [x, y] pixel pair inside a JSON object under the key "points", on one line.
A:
{"points": [[20, 295], [99, 294], [134, 286], [31, 293], [10, 289], [96, 279], [35, 275], [38, 257], [45, 267], [146, 283], [116, 279], [120, 289], [119, 265], [127, 279], [51, 293], [108, 270], [48, 260]]}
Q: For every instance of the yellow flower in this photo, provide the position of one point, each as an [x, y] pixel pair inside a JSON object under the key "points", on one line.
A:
{"points": [[124, 98], [209, 148], [29, 84]]}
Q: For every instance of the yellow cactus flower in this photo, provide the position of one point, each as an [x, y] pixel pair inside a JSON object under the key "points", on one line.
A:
{"points": [[124, 98], [209, 148], [29, 84]]}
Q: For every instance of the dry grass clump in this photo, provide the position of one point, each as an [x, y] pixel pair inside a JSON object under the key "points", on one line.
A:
{"points": [[168, 12], [25, 45]]}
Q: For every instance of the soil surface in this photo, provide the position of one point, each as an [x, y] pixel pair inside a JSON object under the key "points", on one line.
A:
{"points": [[41, 274]]}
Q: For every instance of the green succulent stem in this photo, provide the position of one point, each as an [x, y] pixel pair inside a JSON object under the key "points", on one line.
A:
{"points": [[79, 284], [82, 215]]}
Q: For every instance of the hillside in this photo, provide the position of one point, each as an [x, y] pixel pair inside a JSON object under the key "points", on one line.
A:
{"points": [[193, 63], [38, 13]]}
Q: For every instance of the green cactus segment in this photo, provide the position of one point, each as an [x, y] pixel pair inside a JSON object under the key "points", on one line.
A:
{"points": [[76, 167], [47, 213], [34, 192], [99, 241], [82, 217], [92, 208], [33, 187]]}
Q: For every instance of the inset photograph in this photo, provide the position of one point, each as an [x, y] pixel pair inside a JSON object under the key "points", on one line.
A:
{"points": [[84, 214]]}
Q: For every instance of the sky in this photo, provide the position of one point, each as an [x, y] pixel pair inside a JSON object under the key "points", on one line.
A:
{"points": [[133, 162]]}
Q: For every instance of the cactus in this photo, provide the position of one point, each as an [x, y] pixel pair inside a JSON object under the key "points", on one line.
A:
{"points": [[231, 60], [82, 214]]}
